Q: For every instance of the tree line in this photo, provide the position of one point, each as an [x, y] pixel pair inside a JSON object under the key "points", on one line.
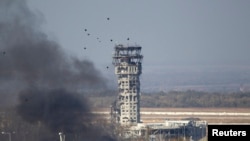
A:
{"points": [[180, 99]]}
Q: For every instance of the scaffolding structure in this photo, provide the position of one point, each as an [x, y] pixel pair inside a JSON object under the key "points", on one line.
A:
{"points": [[127, 61]]}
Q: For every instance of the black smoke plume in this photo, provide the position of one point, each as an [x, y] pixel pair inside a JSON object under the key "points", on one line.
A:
{"points": [[38, 77], [30, 58], [57, 109]]}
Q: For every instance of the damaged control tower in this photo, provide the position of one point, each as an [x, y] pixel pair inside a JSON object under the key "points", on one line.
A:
{"points": [[127, 61]]}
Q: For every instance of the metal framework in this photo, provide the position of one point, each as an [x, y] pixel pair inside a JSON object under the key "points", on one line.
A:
{"points": [[127, 61]]}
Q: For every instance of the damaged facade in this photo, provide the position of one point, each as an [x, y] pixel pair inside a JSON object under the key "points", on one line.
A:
{"points": [[127, 61]]}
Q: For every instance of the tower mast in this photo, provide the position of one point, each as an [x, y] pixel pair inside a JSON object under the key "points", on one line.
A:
{"points": [[127, 61]]}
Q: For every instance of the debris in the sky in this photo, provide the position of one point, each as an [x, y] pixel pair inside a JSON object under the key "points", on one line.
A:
{"points": [[85, 48], [111, 40], [108, 18], [4, 52], [88, 34], [107, 67], [85, 30], [127, 38], [98, 39]]}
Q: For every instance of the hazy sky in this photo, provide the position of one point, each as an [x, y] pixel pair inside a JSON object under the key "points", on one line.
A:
{"points": [[171, 32]]}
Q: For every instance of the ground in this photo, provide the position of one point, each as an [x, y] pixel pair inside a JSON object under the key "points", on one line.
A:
{"points": [[211, 115]]}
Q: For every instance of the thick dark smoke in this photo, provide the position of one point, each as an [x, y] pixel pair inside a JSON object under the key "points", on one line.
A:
{"points": [[29, 58], [37, 75], [57, 109]]}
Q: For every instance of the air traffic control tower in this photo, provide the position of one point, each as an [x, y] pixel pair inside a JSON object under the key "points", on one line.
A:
{"points": [[127, 61]]}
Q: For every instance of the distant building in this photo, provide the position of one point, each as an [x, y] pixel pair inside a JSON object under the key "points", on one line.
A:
{"points": [[127, 61], [244, 88]]}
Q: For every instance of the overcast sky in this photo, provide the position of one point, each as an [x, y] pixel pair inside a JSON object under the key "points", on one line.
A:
{"points": [[171, 32]]}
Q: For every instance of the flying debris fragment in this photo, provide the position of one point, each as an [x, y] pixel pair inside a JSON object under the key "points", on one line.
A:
{"points": [[88, 34], [4, 52], [98, 39], [107, 67], [127, 38], [108, 18], [85, 48], [111, 40], [85, 30]]}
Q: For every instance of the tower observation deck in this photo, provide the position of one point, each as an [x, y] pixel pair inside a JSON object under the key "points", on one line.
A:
{"points": [[127, 61]]}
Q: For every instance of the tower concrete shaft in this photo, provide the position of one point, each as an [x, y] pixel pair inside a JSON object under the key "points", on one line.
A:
{"points": [[127, 61]]}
